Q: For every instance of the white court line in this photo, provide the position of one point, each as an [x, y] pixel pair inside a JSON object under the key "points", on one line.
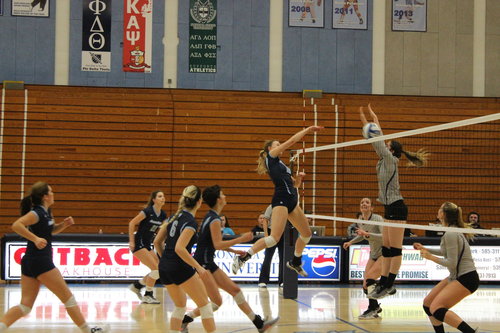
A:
{"points": [[25, 129], [1, 137], [408, 225]]}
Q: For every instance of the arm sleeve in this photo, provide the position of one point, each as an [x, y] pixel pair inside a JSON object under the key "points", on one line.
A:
{"points": [[357, 239], [377, 229], [381, 149], [436, 252], [269, 212], [451, 258]]}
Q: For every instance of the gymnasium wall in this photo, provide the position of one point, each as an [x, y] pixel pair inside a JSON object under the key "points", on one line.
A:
{"points": [[492, 83]]}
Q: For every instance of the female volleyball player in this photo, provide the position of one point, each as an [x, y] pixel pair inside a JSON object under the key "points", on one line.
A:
{"points": [[149, 220], [37, 267], [395, 209], [373, 234], [209, 240], [463, 279], [179, 271], [284, 202]]}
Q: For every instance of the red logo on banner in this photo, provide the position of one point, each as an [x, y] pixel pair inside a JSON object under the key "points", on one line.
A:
{"points": [[137, 39]]}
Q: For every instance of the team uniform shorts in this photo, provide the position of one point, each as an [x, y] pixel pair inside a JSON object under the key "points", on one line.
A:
{"points": [[470, 281], [285, 199], [141, 244], [211, 266], [396, 211], [175, 273], [35, 266]]}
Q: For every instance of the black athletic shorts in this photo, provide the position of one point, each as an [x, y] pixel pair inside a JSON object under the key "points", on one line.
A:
{"points": [[35, 266], [175, 273], [470, 281], [396, 211], [140, 244], [288, 200], [211, 266]]}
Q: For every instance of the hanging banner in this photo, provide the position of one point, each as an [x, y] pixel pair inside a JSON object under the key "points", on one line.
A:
{"points": [[137, 35], [1, 7], [38, 8], [96, 36], [409, 15], [203, 36], [350, 14], [306, 13]]}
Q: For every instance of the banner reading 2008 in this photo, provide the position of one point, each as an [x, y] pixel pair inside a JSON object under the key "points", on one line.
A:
{"points": [[137, 35], [203, 36]]}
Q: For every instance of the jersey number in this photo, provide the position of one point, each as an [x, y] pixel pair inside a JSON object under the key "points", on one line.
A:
{"points": [[174, 227]]}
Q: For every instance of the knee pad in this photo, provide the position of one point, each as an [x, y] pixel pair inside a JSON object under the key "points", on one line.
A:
{"points": [[386, 252], [396, 252], [178, 312], [155, 275], [305, 239], [24, 309], [215, 307], [440, 313], [239, 298], [71, 302], [206, 311], [427, 311], [270, 241]]}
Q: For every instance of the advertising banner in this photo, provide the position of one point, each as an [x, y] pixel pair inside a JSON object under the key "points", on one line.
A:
{"points": [[416, 268], [96, 35], [137, 35], [203, 36]]}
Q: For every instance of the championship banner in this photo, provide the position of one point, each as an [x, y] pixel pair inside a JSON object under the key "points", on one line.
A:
{"points": [[416, 268], [96, 35], [137, 35], [350, 14], [306, 13], [37, 8], [409, 15], [202, 36]]}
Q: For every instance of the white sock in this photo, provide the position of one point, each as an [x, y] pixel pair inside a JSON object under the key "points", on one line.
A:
{"points": [[149, 288], [84, 328], [250, 252], [251, 315]]}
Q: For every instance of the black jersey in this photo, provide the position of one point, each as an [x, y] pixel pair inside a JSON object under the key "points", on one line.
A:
{"points": [[281, 175], [43, 229], [174, 230], [149, 225], [205, 250]]}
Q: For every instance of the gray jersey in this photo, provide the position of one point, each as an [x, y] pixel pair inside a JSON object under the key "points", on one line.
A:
{"points": [[268, 213], [375, 239], [387, 174], [451, 247]]}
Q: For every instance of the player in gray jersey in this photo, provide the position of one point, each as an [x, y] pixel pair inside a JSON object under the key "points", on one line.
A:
{"points": [[373, 234], [463, 279], [395, 210]]}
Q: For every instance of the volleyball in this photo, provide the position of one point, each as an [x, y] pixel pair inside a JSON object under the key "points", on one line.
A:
{"points": [[370, 130]]}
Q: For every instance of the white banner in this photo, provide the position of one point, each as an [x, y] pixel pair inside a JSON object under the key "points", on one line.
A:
{"points": [[416, 268], [350, 14], [38, 8], [409, 15], [306, 13]]}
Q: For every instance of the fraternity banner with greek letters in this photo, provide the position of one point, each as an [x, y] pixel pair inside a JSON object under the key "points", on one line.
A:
{"points": [[96, 35], [137, 35], [203, 36]]}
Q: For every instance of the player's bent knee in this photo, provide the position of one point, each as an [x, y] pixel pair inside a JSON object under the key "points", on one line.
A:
{"points": [[270, 241], [71, 302], [396, 252], [239, 298], [305, 239], [24, 309], [440, 313], [178, 312], [206, 311], [427, 311], [386, 252], [155, 275]]}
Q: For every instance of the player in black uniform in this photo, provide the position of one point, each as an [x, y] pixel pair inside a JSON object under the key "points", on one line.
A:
{"points": [[37, 267], [209, 240], [149, 220], [285, 202], [179, 271]]}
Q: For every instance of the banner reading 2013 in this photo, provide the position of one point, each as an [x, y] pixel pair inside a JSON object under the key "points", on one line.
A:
{"points": [[203, 36], [137, 35]]}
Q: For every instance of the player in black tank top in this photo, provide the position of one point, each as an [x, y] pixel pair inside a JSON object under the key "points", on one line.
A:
{"points": [[147, 222], [180, 273], [284, 202], [37, 225], [209, 240]]}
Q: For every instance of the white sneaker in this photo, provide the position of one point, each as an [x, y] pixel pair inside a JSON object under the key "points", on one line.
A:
{"points": [[268, 324], [262, 285], [237, 264], [99, 329], [369, 314], [298, 268], [148, 299], [136, 291]]}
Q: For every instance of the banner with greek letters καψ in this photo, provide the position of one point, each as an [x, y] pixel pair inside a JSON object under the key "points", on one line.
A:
{"points": [[203, 36], [96, 35], [137, 35]]}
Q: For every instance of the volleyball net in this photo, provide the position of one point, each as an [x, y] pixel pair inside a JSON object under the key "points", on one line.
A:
{"points": [[463, 167]]}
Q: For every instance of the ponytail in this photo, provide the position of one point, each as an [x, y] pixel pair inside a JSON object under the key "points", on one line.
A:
{"points": [[453, 217], [35, 198], [261, 161], [189, 198], [418, 159]]}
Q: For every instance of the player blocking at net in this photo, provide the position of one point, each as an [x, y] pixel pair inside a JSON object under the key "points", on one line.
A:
{"points": [[395, 209], [285, 202]]}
